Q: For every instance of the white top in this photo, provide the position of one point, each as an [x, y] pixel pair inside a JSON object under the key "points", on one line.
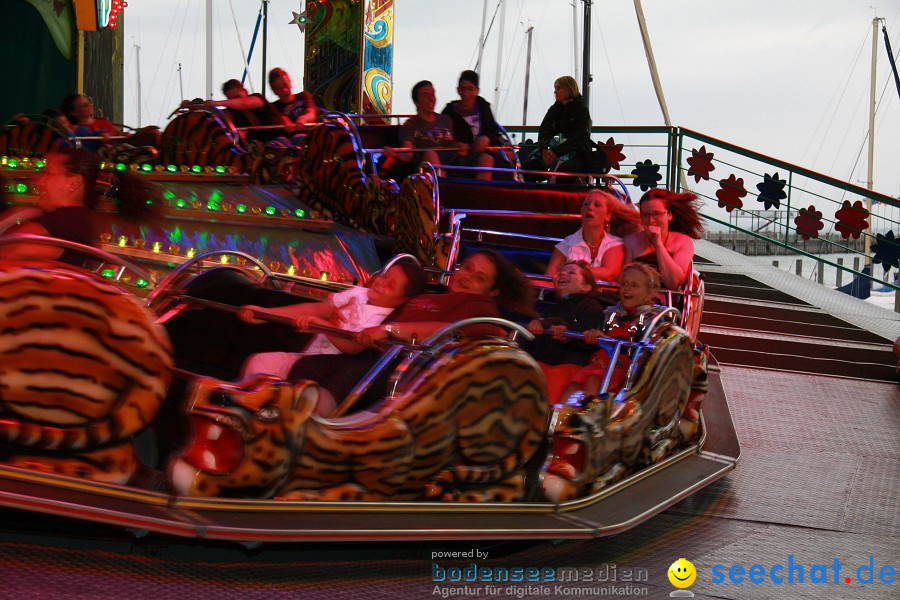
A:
{"points": [[575, 248], [353, 313]]}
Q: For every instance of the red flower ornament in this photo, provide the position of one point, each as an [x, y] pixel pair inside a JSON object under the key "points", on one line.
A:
{"points": [[701, 164], [851, 220], [730, 193], [809, 222], [613, 152]]}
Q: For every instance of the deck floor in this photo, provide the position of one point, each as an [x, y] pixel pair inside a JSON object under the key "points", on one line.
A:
{"points": [[818, 480]]}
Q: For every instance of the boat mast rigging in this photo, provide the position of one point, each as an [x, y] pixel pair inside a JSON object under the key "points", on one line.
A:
{"points": [[527, 76], [209, 50], [500, 54], [869, 172], [586, 54]]}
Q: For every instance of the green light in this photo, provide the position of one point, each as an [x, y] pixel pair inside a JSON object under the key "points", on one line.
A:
{"points": [[13, 163], [120, 166], [169, 195], [270, 210], [149, 202], [241, 208], [180, 203], [21, 188], [141, 282], [39, 163], [220, 169], [212, 205], [146, 168], [299, 213], [197, 169], [109, 273], [171, 168]]}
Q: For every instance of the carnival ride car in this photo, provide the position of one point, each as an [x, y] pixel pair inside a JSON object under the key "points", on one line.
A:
{"points": [[450, 438]]}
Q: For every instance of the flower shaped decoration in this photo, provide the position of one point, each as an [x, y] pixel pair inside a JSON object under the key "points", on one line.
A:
{"points": [[613, 152], [886, 250], [771, 191], [730, 192], [851, 220], [701, 164], [809, 222], [646, 175]]}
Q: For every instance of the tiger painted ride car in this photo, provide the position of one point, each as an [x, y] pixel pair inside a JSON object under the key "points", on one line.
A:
{"points": [[84, 368], [461, 429]]}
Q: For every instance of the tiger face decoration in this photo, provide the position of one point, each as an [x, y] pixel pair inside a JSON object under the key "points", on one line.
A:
{"points": [[461, 428], [83, 367], [600, 440]]}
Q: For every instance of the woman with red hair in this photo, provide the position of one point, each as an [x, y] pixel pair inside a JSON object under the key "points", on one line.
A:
{"points": [[671, 223]]}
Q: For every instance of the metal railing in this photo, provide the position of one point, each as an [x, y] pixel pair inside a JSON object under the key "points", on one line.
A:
{"points": [[788, 208]]}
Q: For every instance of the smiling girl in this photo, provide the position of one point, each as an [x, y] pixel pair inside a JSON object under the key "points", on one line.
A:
{"points": [[638, 286]]}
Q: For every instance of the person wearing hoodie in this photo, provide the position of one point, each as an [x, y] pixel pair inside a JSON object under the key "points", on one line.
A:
{"points": [[473, 120]]}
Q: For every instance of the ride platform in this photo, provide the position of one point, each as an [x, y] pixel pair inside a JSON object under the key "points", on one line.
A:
{"points": [[818, 481]]}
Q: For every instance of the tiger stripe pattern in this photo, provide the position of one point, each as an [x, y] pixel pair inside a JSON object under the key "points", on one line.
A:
{"points": [[30, 140], [610, 438], [204, 139], [462, 428], [415, 231], [83, 367], [333, 182]]}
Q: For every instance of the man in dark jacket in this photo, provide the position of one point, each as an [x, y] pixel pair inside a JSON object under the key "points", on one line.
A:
{"points": [[473, 120]]}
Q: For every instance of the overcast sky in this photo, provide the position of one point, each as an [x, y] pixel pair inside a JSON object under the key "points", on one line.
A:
{"points": [[787, 78]]}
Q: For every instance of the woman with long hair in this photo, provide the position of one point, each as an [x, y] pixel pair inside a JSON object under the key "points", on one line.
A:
{"points": [[671, 222], [485, 283], [598, 242]]}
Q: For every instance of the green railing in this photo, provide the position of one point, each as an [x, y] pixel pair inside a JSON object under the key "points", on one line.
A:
{"points": [[780, 205]]}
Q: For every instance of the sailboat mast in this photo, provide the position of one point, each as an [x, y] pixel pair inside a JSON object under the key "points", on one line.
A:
{"points": [[137, 60], [500, 55], [527, 77], [209, 50], [869, 175], [481, 37], [654, 75], [651, 62], [586, 54], [575, 39], [265, 42]]}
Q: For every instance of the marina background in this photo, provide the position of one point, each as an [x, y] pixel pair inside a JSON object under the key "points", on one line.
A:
{"points": [[786, 79]]}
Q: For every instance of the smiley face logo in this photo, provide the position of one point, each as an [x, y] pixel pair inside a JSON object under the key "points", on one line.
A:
{"points": [[682, 573]]}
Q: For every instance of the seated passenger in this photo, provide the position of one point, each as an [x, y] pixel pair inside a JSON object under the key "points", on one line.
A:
{"points": [[353, 309], [603, 219], [564, 139], [300, 108], [484, 283], [638, 286], [79, 110], [59, 118], [430, 131], [670, 221], [67, 193], [473, 120], [246, 110], [577, 309]]}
